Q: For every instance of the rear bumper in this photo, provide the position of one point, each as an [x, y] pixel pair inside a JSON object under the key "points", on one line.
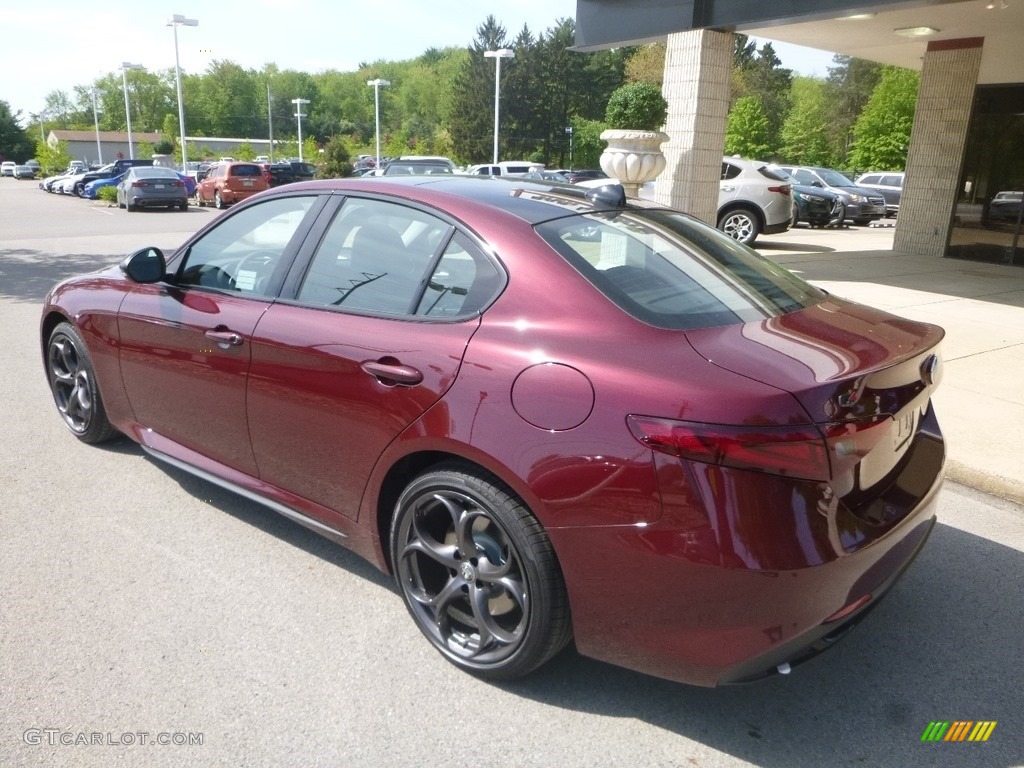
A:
{"points": [[743, 572]]}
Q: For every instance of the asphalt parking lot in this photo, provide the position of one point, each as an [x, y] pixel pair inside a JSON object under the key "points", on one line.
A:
{"points": [[139, 604]]}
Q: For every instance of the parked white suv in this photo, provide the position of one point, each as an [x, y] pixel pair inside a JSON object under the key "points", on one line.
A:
{"points": [[505, 168], [754, 198]]}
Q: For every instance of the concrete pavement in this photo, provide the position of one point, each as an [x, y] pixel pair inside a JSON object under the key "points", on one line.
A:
{"points": [[980, 403]]}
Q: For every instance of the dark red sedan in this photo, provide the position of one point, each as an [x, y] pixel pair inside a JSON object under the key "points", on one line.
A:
{"points": [[549, 412]]}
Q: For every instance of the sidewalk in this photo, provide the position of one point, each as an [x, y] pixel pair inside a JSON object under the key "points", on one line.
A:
{"points": [[980, 403]]}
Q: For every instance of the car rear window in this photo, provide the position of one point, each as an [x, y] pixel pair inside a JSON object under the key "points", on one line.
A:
{"points": [[672, 271], [246, 170], [773, 172]]}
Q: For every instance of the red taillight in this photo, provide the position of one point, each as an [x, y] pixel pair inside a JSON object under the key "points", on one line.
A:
{"points": [[179, 183], [783, 189], [790, 451], [139, 184]]}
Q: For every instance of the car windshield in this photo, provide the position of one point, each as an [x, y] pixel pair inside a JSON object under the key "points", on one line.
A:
{"points": [[669, 270], [834, 178]]}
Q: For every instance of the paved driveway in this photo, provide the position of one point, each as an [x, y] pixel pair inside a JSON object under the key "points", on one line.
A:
{"points": [[139, 604]]}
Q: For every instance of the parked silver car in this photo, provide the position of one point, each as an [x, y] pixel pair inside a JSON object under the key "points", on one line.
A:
{"points": [[754, 198]]}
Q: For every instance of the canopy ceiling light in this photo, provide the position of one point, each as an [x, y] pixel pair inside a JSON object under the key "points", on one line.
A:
{"points": [[916, 31]]}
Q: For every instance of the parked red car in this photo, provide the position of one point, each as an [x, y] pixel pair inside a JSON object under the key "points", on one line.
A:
{"points": [[550, 412]]}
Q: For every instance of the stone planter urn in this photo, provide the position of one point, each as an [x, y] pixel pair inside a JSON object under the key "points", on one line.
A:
{"points": [[633, 157]]}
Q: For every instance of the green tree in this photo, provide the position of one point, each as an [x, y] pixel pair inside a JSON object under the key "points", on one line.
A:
{"points": [[14, 141], [805, 132], [747, 131], [647, 64], [472, 119], [53, 159], [587, 145], [758, 74], [849, 85], [336, 159], [882, 132]]}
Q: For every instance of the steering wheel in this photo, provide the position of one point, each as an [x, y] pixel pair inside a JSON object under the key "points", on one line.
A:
{"points": [[256, 261]]}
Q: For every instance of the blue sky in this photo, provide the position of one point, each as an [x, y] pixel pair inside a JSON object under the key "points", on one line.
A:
{"points": [[63, 43]]}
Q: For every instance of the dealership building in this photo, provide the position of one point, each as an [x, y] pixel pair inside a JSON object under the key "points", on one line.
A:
{"points": [[967, 142]]}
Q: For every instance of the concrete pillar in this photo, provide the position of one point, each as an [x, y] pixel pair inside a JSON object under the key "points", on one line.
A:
{"points": [[937, 143], [698, 70]]}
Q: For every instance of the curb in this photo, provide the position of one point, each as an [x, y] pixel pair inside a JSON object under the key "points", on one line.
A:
{"points": [[995, 485]]}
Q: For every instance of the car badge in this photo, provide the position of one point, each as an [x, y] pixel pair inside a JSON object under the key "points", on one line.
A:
{"points": [[930, 370]]}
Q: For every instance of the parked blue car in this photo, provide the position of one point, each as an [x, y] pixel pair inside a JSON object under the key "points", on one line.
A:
{"points": [[93, 187]]}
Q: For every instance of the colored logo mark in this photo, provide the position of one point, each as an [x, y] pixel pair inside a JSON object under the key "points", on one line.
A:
{"points": [[959, 730]]}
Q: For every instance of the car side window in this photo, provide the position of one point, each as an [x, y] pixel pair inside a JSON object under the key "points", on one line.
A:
{"points": [[804, 177], [462, 282], [242, 253], [374, 257], [730, 171]]}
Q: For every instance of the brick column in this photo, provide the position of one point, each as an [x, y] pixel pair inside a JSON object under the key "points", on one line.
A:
{"points": [[937, 144], [698, 68]]}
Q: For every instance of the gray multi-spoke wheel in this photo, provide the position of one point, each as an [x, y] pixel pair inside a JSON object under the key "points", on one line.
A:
{"points": [[740, 224], [73, 383], [478, 573]]}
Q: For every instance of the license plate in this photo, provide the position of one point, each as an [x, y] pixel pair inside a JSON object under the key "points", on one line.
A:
{"points": [[247, 183], [158, 186]]}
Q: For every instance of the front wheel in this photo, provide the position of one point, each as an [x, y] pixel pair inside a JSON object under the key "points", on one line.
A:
{"points": [[478, 574], [73, 383], [740, 224]]}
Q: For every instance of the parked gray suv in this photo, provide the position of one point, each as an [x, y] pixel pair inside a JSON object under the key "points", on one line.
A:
{"points": [[889, 184], [863, 205]]}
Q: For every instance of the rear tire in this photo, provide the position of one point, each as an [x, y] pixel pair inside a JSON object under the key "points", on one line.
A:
{"points": [[478, 573], [73, 384], [218, 201], [740, 224]]}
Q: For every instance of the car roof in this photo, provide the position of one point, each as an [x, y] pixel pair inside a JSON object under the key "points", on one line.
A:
{"points": [[531, 201]]}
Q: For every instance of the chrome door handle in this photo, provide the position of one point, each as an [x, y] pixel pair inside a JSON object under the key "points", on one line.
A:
{"points": [[392, 373], [225, 338]]}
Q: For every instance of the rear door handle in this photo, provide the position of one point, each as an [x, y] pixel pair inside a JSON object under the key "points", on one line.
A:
{"points": [[225, 338], [392, 373]]}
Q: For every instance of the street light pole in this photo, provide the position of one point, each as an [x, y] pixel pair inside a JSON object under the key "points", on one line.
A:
{"points": [[498, 55], [569, 131], [96, 120], [298, 114], [125, 66], [177, 20], [270, 121], [376, 108]]}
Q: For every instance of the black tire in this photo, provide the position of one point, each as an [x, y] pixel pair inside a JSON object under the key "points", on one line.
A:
{"points": [[218, 201], [183, 206], [862, 222], [73, 384], [740, 224], [130, 207], [498, 610]]}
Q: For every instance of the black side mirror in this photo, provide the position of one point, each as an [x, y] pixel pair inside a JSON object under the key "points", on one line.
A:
{"points": [[145, 266]]}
